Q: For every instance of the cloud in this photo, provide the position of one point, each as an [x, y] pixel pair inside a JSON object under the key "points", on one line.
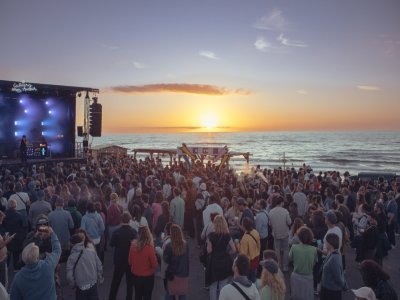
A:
{"points": [[290, 43], [138, 65], [261, 44], [370, 88], [274, 21], [208, 54], [302, 92], [186, 88], [109, 47]]}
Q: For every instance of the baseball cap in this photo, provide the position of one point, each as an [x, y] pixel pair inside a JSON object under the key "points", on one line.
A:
{"points": [[365, 292]]}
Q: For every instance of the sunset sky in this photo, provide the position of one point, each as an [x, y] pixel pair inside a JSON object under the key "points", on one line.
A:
{"points": [[222, 65]]}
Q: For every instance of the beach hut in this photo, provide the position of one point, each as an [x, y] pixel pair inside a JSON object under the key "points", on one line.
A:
{"points": [[108, 151]]}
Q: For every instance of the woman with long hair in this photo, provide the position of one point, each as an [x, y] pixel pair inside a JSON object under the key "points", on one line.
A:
{"points": [[271, 285], [143, 262], [219, 266], [377, 279], [114, 214], [137, 219], [163, 219], [304, 257], [293, 238], [176, 255]]}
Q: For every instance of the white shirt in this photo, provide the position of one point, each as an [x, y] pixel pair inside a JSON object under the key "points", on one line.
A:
{"points": [[21, 198], [336, 230], [302, 204], [229, 292], [131, 194], [211, 208]]}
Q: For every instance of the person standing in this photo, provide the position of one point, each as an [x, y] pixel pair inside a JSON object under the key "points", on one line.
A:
{"points": [[177, 208], [280, 221], [36, 278], [240, 285], [212, 207], [332, 280], [121, 241], [143, 262], [114, 213], [304, 257], [93, 224], [23, 147], [301, 200], [40, 206], [219, 266], [176, 255], [84, 270], [23, 202], [61, 222]]}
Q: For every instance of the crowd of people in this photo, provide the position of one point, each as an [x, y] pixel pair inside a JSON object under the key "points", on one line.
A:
{"points": [[252, 229]]}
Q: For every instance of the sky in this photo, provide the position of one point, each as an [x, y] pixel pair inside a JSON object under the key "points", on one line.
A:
{"points": [[222, 65]]}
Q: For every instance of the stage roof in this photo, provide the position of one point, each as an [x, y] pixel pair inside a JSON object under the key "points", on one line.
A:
{"points": [[22, 87]]}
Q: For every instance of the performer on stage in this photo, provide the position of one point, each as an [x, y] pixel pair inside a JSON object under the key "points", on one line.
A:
{"points": [[23, 149]]}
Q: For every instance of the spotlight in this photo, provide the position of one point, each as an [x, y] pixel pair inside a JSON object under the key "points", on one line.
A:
{"points": [[26, 111], [16, 133], [50, 112], [42, 123], [47, 102], [20, 101], [42, 133], [16, 123]]}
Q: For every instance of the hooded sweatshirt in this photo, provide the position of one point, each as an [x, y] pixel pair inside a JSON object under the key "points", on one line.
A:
{"points": [[229, 292], [36, 281], [88, 270]]}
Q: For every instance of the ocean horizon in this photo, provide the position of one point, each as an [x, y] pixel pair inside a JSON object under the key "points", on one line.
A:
{"points": [[353, 151]]}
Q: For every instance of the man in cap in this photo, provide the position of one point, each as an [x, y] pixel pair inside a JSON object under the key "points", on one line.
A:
{"points": [[61, 222], [41, 206]]}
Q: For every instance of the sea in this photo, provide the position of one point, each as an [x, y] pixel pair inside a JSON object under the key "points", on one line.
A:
{"points": [[323, 151]]}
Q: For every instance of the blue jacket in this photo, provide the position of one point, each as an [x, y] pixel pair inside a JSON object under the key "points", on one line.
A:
{"points": [[332, 272], [93, 224], [36, 281]]}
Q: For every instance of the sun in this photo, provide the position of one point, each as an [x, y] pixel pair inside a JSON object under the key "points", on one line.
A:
{"points": [[209, 121]]}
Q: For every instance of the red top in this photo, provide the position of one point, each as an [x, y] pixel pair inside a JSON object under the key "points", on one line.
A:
{"points": [[114, 214], [144, 262]]}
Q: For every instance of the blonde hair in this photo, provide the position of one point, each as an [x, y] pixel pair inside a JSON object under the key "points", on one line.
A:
{"points": [[30, 254], [275, 282], [220, 225], [178, 241], [114, 197], [144, 238]]}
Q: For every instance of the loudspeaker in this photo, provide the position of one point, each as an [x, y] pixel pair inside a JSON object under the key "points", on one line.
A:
{"points": [[80, 130], [95, 116]]}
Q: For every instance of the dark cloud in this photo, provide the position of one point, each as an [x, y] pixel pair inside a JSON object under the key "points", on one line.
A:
{"points": [[200, 89]]}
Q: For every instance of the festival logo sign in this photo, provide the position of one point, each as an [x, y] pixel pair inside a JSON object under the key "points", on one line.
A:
{"points": [[20, 87]]}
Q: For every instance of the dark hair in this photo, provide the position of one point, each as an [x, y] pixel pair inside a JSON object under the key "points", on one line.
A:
{"points": [[136, 213], [263, 203], [90, 207], [145, 198], [126, 217], [242, 263], [270, 254], [247, 224], [333, 240], [279, 199], [372, 273], [339, 198], [305, 235], [165, 210]]}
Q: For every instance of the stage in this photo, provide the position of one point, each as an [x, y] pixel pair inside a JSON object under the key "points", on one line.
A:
{"points": [[16, 163]]}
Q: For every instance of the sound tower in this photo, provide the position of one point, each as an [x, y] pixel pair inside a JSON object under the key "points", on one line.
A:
{"points": [[95, 115]]}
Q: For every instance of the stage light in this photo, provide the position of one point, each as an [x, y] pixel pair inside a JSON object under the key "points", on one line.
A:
{"points": [[16, 123], [26, 111], [42, 123], [47, 102], [42, 133], [20, 101], [16, 133], [50, 112]]}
